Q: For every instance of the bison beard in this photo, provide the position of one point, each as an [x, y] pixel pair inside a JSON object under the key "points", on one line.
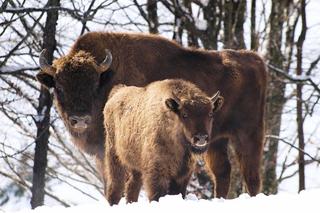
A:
{"points": [[138, 59]]}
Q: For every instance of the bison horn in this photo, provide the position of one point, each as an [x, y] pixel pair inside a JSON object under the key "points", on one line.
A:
{"points": [[215, 97], [106, 63], [44, 65]]}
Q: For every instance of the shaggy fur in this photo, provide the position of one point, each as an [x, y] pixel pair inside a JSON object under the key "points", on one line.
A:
{"points": [[152, 141], [139, 59]]}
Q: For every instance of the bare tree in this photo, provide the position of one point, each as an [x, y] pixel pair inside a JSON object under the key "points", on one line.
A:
{"points": [[300, 98], [275, 94], [43, 110], [234, 17]]}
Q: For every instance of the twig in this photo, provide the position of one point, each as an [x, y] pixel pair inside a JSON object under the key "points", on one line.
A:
{"points": [[296, 79], [293, 146]]}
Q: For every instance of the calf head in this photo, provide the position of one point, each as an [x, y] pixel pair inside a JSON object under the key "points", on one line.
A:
{"points": [[76, 81], [196, 116]]}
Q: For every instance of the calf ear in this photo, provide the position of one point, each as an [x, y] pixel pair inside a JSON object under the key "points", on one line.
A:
{"points": [[217, 101], [45, 79], [217, 104], [172, 104]]}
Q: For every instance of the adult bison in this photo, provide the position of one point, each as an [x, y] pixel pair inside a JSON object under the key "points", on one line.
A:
{"points": [[83, 77], [154, 133]]}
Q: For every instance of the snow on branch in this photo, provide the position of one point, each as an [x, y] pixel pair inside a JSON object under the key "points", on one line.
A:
{"points": [[36, 9], [8, 70], [294, 78]]}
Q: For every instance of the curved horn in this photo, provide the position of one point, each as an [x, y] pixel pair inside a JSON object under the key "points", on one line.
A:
{"points": [[215, 96], [106, 63], [44, 65]]}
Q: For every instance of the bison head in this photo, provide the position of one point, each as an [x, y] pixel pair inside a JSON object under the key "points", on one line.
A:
{"points": [[196, 117], [76, 81]]}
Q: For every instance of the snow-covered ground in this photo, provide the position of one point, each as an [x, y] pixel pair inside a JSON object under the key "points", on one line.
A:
{"points": [[282, 202]]}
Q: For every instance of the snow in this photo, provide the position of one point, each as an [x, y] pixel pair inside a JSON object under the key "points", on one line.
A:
{"points": [[11, 68], [41, 115], [282, 202], [204, 2], [201, 24]]}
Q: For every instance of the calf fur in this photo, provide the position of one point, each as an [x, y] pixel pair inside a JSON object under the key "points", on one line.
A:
{"points": [[153, 134]]}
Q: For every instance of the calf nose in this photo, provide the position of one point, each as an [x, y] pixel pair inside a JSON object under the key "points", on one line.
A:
{"points": [[80, 122], [201, 137], [200, 140]]}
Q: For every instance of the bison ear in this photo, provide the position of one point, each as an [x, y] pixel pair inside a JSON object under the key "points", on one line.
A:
{"points": [[217, 101], [172, 104], [105, 78], [45, 79], [106, 63]]}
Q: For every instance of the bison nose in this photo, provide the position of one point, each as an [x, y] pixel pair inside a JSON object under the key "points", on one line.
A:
{"points": [[80, 122]]}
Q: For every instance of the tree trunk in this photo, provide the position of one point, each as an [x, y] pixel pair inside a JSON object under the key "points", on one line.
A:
{"points": [[254, 39], [234, 14], [234, 17], [299, 96], [275, 97], [152, 16], [178, 25], [191, 30], [43, 111], [212, 13]]}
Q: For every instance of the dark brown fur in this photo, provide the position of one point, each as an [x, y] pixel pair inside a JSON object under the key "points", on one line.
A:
{"points": [[153, 141], [139, 59]]}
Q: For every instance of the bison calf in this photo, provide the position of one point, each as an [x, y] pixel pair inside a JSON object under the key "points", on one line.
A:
{"points": [[152, 134]]}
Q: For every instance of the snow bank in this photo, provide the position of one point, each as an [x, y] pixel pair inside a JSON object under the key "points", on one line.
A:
{"points": [[282, 202]]}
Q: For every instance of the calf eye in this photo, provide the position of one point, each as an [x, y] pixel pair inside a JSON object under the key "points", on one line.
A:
{"points": [[184, 115], [59, 92], [210, 114]]}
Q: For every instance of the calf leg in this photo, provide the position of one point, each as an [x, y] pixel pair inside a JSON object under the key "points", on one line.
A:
{"points": [[218, 163], [156, 183], [249, 153], [179, 185], [115, 178], [133, 186]]}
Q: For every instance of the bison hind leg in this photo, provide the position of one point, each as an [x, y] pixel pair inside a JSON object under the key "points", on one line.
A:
{"points": [[249, 153]]}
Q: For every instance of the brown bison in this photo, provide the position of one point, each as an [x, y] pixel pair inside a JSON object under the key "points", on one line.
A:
{"points": [[82, 79], [151, 133]]}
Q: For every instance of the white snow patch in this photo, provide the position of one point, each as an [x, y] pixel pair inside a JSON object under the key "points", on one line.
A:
{"points": [[201, 24], [152, 25], [41, 115], [282, 202], [204, 2]]}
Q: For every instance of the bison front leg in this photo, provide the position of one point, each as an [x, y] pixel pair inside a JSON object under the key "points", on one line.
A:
{"points": [[115, 178], [133, 186], [218, 163]]}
